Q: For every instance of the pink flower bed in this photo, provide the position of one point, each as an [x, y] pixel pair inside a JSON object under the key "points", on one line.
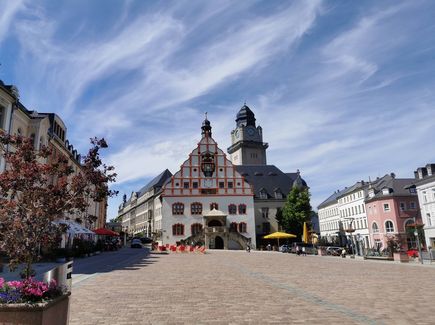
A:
{"points": [[28, 291]]}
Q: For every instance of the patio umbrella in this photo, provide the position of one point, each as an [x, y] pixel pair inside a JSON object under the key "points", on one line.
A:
{"points": [[305, 234], [279, 235], [106, 232]]}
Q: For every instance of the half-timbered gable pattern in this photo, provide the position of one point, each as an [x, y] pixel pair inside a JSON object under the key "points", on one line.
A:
{"points": [[208, 181]]}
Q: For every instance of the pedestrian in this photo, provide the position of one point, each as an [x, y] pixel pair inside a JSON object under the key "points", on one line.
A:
{"points": [[269, 247], [248, 248], [303, 251]]}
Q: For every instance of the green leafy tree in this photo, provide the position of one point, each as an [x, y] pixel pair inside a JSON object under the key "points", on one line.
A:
{"points": [[295, 212]]}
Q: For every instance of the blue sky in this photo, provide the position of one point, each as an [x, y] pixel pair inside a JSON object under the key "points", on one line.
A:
{"points": [[344, 90]]}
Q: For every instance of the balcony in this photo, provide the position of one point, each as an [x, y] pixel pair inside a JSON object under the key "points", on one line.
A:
{"points": [[216, 229]]}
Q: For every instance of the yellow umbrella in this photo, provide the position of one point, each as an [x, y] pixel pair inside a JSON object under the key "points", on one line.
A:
{"points": [[278, 235], [305, 234]]}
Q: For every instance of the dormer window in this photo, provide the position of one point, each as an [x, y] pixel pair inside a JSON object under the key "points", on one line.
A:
{"points": [[278, 194], [263, 194], [386, 191], [371, 193]]}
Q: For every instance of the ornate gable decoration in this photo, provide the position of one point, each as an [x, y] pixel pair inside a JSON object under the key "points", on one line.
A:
{"points": [[207, 164], [207, 171]]}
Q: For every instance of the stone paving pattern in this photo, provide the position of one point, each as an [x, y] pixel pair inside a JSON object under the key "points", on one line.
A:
{"points": [[232, 287]]}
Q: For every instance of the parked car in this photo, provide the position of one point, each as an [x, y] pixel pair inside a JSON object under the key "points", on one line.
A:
{"points": [[136, 243], [334, 250], [144, 240]]}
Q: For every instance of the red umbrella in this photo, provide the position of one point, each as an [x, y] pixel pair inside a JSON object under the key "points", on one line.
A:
{"points": [[106, 232]]}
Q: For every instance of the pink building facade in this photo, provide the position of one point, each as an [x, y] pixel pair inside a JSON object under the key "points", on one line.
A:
{"points": [[392, 211]]}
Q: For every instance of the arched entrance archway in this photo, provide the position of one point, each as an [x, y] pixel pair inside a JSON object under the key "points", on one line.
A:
{"points": [[214, 223], [218, 243]]}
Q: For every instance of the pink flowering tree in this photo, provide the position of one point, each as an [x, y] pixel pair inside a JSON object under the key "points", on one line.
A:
{"points": [[37, 189]]}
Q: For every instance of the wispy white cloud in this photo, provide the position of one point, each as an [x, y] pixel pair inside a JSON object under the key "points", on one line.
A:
{"points": [[8, 11], [338, 99]]}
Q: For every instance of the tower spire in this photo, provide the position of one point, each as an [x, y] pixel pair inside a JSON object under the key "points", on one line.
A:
{"points": [[206, 127]]}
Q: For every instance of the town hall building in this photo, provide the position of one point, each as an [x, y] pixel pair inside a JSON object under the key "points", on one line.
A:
{"points": [[222, 201], [207, 201]]}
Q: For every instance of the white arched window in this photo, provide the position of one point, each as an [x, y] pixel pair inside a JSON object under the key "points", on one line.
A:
{"points": [[389, 227], [375, 228]]}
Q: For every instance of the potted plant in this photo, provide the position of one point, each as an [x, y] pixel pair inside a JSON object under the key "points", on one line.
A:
{"points": [[37, 189], [30, 301], [394, 245]]}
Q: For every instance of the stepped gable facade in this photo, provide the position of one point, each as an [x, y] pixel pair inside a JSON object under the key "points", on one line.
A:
{"points": [[207, 201]]}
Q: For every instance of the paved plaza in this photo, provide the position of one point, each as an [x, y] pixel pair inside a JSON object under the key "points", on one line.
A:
{"points": [[233, 287]]}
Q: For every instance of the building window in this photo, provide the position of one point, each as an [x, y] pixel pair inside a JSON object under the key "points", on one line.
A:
{"points": [[265, 212], [412, 205], [19, 132], [389, 227], [230, 184], [178, 229], [178, 208], [386, 207], [278, 195], [195, 184], [232, 209], [214, 206], [402, 206], [2, 117], [263, 194], [233, 226], [242, 209], [429, 221], [375, 228], [186, 184], [412, 190], [221, 184], [266, 227], [196, 208], [242, 227], [196, 228]]}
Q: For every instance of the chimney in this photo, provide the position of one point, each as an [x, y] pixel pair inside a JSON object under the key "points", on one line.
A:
{"points": [[393, 175]]}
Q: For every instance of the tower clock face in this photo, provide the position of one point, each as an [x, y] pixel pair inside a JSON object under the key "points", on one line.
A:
{"points": [[251, 131]]}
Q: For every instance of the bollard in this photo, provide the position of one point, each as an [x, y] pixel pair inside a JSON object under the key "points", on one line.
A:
{"points": [[62, 274]]}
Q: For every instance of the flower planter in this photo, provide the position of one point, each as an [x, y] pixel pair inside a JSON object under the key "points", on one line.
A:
{"points": [[401, 257], [53, 312]]}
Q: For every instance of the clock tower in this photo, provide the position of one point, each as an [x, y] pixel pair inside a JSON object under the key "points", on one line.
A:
{"points": [[247, 146]]}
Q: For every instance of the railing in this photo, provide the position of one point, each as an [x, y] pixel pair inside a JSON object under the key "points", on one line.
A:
{"points": [[221, 229]]}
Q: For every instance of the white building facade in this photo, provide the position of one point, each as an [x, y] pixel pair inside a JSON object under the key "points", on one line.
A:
{"points": [[425, 187], [7, 100], [207, 201], [329, 218]]}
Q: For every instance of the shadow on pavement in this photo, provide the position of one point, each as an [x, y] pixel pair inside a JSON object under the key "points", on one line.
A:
{"points": [[123, 259]]}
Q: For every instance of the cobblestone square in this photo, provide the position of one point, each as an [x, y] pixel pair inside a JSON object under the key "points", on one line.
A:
{"points": [[234, 287]]}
